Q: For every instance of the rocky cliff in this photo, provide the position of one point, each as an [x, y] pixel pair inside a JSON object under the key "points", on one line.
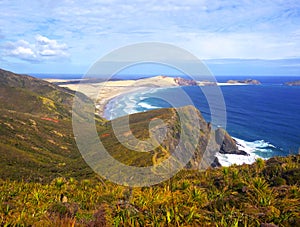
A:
{"points": [[203, 148], [37, 140]]}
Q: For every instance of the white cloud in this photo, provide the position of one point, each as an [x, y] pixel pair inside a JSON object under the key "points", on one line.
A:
{"points": [[48, 47], [242, 45], [209, 29], [43, 49], [23, 52]]}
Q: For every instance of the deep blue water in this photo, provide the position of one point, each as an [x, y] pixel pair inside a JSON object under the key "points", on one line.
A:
{"points": [[267, 115], [267, 112]]}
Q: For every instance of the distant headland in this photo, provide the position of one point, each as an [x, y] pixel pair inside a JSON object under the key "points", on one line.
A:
{"points": [[293, 83], [103, 91], [247, 81]]}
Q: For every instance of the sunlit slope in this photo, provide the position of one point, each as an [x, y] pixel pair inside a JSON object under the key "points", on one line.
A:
{"points": [[37, 140]]}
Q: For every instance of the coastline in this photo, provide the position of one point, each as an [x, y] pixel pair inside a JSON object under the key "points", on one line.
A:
{"points": [[103, 92], [107, 95]]}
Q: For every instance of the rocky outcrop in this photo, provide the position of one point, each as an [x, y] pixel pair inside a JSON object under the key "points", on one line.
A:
{"points": [[227, 143], [293, 83], [247, 81], [184, 82], [201, 142]]}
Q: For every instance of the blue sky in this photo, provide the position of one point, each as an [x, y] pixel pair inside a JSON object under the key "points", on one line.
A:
{"points": [[246, 37]]}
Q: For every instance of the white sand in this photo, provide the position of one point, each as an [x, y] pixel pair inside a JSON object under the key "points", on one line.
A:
{"points": [[103, 92]]}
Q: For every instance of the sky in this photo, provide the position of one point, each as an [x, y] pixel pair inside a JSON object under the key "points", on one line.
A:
{"points": [[246, 37]]}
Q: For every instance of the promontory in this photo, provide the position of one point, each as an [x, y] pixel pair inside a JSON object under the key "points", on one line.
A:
{"points": [[293, 83], [247, 81]]}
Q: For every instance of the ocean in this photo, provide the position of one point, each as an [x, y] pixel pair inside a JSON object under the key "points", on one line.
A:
{"points": [[264, 119]]}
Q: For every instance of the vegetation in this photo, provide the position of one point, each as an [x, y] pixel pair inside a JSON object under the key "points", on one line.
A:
{"points": [[36, 135], [248, 195], [45, 182], [36, 138]]}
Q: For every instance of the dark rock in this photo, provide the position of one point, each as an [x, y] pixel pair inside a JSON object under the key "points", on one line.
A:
{"points": [[216, 163], [227, 143]]}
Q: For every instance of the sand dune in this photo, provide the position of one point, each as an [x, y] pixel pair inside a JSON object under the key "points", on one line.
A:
{"points": [[103, 92]]}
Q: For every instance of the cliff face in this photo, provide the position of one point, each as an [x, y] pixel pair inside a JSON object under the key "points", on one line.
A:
{"points": [[227, 143], [37, 140], [203, 148]]}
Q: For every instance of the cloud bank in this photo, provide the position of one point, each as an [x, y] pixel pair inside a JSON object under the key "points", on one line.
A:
{"points": [[41, 50], [85, 31]]}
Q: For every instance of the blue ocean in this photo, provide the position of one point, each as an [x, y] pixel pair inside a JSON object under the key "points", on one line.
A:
{"points": [[264, 119]]}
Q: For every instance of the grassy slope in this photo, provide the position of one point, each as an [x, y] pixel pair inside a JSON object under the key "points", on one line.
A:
{"points": [[248, 195], [36, 138], [33, 149]]}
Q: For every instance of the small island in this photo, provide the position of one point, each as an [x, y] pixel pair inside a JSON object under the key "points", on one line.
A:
{"points": [[247, 81], [293, 83]]}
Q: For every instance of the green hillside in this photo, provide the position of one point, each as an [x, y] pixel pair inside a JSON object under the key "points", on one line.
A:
{"points": [[36, 138], [27, 94], [37, 141], [45, 181]]}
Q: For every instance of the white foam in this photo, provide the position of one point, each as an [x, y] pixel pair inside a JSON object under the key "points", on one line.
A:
{"points": [[250, 148], [130, 107], [123, 103], [230, 159], [263, 144], [128, 103], [148, 106]]}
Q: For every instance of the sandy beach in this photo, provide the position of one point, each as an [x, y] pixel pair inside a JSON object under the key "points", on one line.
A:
{"points": [[103, 92], [107, 93]]}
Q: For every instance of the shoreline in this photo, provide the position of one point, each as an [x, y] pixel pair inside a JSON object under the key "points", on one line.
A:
{"points": [[104, 99], [103, 92]]}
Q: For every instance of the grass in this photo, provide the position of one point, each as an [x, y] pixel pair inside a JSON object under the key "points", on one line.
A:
{"points": [[232, 196], [45, 182]]}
